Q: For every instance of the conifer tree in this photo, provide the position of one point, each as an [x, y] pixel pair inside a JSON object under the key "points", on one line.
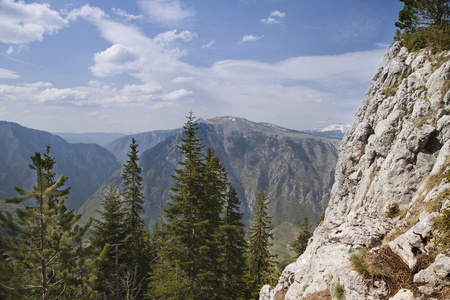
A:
{"points": [[43, 248], [189, 253], [133, 190], [259, 260], [304, 234], [109, 232], [232, 248], [137, 242]]}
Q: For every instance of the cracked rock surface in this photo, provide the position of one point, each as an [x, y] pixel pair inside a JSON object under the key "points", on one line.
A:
{"points": [[399, 140]]}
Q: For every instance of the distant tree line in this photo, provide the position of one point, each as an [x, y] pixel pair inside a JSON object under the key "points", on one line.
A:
{"points": [[424, 23], [199, 248]]}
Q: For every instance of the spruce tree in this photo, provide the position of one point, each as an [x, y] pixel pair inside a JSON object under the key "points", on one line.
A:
{"points": [[43, 249], [137, 242], [109, 233], [188, 256], [304, 234], [133, 188], [232, 248], [259, 260]]}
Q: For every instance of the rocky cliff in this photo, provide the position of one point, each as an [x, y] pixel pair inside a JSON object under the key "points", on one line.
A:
{"points": [[379, 238]]}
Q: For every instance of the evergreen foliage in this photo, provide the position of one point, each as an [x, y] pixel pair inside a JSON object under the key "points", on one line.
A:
{"points": [[304, 234], [42, 255], [200, 230], [424, 23], [259, 261], [133, 190], [232, 248], [136, 256], [108, 235]]}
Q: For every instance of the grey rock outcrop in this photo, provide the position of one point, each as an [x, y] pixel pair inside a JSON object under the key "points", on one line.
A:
{"points": [[435, 277], [397, 148]]}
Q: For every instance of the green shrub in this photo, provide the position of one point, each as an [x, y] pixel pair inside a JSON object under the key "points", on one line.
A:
{"points": [[436, 37], [393, 210], [339, 291], [359, 264]]}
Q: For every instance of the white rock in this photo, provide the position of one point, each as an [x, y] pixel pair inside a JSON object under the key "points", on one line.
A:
{"points": [[394, 145], [434, 278], [403, 294], [413, 242]]}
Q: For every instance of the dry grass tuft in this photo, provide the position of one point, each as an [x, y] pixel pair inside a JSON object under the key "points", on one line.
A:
{"points": [[384, 264], [320, 295], [280, 294]]}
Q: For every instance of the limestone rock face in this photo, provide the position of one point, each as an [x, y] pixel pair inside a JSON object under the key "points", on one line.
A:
{"points": [[399, 142]]}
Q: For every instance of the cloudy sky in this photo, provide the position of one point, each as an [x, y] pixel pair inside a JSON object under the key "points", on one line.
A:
{"points": [[141, 65]]}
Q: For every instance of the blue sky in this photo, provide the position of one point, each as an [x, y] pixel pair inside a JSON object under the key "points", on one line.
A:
{"points": [[141, 65]]}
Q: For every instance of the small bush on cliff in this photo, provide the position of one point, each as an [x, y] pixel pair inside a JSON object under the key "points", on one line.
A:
{"points": [[339, 291], [393, 210]]}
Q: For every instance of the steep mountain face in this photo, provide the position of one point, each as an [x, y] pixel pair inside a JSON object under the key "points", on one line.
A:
{"points": [[87, 166], [393, 156], [146, 140], [296, 169]]}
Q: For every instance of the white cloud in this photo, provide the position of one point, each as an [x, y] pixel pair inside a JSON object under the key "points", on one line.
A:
{"points": [[87, 12], [61, 95], [209, 45], [270, 20], [22, 23], [115, 60], [166, 12], [172, 35], [274, 18], [177, 94], [122, 13], [182, 79], [278, 14], [8, 74], [382, 45], [251, 38]]}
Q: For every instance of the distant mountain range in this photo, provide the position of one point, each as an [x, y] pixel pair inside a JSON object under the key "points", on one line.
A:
{"points": [[87, 166], [100, 138], [336, 130], [295, 168]]}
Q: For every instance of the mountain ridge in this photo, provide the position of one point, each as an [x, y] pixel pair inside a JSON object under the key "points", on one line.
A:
{"points": [[86, 165], [242, 146]]}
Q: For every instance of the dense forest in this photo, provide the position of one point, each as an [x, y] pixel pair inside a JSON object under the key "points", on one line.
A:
{"points": [[199, 248]]}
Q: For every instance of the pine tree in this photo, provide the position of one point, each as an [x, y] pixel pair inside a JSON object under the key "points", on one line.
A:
{"points": [[43, 248], [424, 23], [109, 233], [137, 243], [304, 234], [188, 256], [259, 260], [423, 13], [232, 248], [133, 190]]}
